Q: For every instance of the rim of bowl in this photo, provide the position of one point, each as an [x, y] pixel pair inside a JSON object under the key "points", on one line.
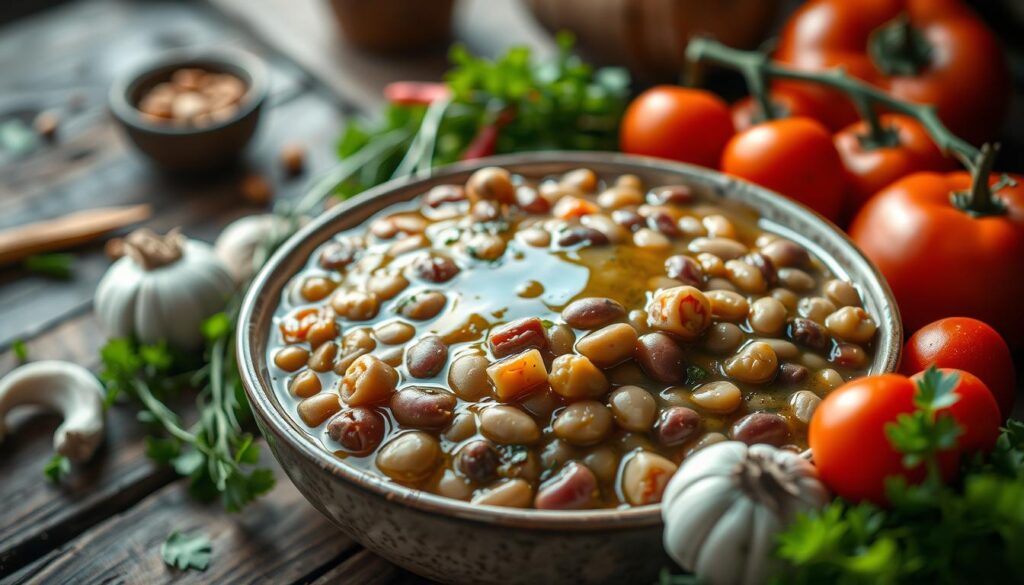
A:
{"points": [[260, 303], [229, 59]]}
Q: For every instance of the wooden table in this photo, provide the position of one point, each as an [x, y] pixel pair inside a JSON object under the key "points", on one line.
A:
{"points": [[107, 522]]}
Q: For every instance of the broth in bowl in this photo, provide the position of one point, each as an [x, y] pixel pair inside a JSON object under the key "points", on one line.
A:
{"points": [[562, 343]]}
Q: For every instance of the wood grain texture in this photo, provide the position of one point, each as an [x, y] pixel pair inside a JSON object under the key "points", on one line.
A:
{"points": [[279, 539]]}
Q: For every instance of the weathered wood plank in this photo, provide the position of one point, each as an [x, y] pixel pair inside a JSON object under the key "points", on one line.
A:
{"points": [[366, 568], [306, 31], [30, 303], [278, 539], [36, 516]]}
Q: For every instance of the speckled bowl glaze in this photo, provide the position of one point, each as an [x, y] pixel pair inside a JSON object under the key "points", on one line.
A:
{"points": [[454, 541]]}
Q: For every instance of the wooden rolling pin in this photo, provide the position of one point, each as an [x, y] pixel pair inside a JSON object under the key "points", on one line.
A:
{"points": [[67, 231]]}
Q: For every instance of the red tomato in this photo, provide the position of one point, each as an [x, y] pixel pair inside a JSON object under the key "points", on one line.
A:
{"points": [[852, 451], [687, 125], [941, 260], [786, 103], [793, 156], [871, 168], [943, 54], [976, 412], [847, 436], [964, 344]]}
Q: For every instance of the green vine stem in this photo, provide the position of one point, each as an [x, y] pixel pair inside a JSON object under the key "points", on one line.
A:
{"points": [[756, 66]]}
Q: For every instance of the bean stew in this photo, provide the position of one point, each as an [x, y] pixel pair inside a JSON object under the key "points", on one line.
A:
{"points": [[562, 343]]}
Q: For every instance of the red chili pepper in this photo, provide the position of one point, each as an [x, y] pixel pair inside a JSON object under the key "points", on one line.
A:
{"points": [[415, 93], [485, 142]]}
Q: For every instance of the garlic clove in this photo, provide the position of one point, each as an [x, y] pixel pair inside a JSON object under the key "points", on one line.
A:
{"points": [[238, 242], [715, 460], [684, 535], [67, 389], [115, 298], [759, 561], [724, 552]]}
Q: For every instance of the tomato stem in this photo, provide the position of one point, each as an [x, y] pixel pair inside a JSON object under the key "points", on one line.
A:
{"points": [[867, 97], [980, 200], [897, 48]]}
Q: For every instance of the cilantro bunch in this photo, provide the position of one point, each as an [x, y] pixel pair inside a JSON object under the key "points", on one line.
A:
{"points": [[933, 533], [513, 102]]}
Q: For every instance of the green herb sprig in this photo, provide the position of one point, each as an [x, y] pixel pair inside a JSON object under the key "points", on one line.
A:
{"points": [[183, 551], [563, 103], [971, 531]]}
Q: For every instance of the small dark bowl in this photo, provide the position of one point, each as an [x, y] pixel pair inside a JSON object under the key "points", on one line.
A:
{"points": [[188, 148]]}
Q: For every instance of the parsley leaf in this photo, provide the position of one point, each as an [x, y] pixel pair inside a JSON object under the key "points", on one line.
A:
{"points": [[694, 374], [20, 350], [184, 552], [57, 468], [57, 266]]}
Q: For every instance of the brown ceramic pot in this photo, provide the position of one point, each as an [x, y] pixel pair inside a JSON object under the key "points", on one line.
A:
{"points": [[454, 541], [394, 25]]}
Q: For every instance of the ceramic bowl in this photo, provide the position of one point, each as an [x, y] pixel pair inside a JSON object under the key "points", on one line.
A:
{"points": [[188, 148], [454, 541]]}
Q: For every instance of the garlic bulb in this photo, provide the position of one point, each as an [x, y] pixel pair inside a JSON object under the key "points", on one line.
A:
{"points": [[725, 505], [241, 239], [163, 288]]}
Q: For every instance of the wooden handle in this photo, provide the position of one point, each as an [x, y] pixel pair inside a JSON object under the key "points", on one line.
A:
{"points": [[69, 230]]}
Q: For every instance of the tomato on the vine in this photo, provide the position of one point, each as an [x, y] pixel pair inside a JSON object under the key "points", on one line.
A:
{"points": [[847, 436], [785, 103], [944, 255], [925, 51], [904, 148], [793, 156], [677, 123], [975, 411], [965, 344]]}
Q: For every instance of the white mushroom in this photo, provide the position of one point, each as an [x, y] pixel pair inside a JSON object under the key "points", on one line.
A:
{"points": [[65, 388]]}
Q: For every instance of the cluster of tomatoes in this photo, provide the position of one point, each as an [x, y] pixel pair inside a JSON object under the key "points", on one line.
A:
{"points": [[895, 196]]}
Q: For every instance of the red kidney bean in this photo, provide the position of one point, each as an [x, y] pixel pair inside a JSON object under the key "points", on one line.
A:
{"points": [[337, 255], [478, 461], [592, 312], [676, 425], [664, 223], [685, 269], [765, 266], [672, 195], [359, 430], [435, 268], [807, 333], [423, 407], [517, 336], [661, 358], [572, 489], [761, 427], [530, 201], [579, 234], [791, 373], [848, 355], [426, 357], [442, 194], [628, 219]]}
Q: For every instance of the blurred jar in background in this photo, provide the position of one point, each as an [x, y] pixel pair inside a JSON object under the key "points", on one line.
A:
{"points": [[394, 25]]}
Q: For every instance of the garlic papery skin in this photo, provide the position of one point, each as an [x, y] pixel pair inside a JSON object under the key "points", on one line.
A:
{"points": [[162, 289], [239, 242], [727, 502]]}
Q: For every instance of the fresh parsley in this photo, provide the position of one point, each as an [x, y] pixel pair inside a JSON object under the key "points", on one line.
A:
{"points": [[57, 468], [57, 266], [184, 552], [215, 452], [971, 531], [20, 350], [525, 104]]}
